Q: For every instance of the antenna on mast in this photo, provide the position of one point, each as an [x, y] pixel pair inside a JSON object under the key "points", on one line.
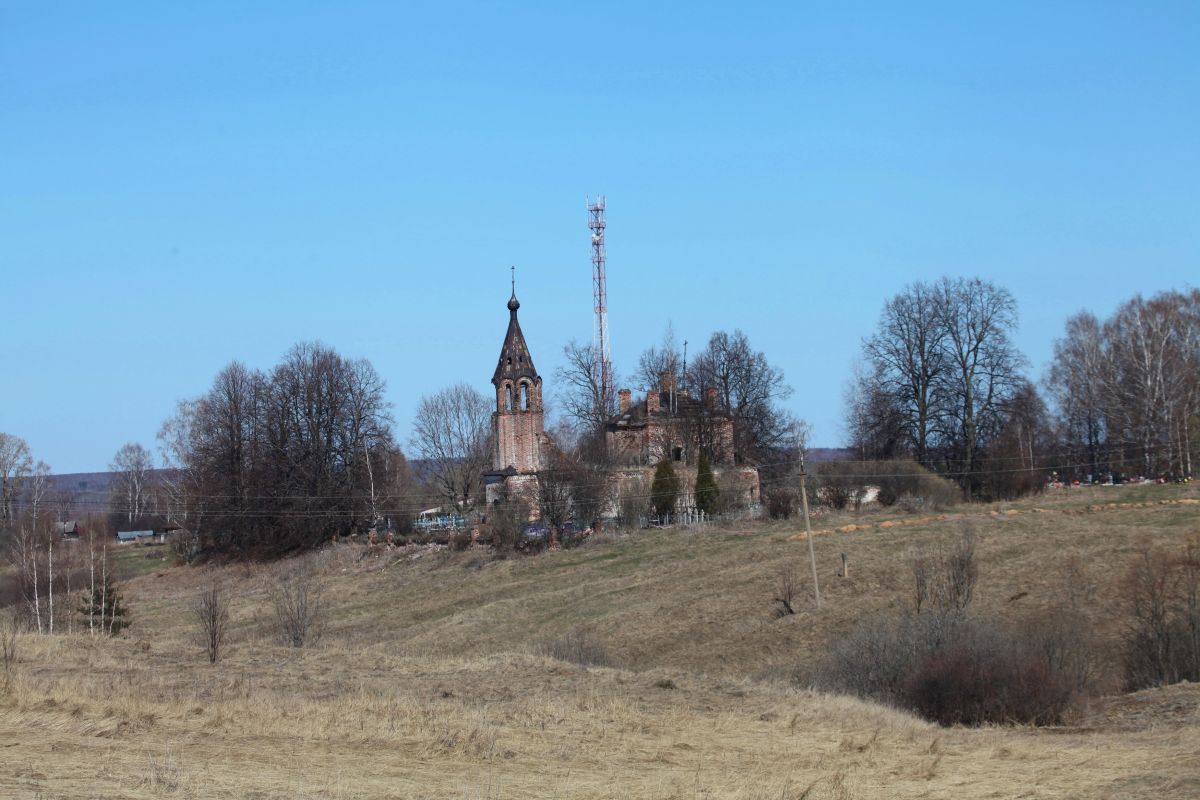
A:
{"points": [[601, 349]]}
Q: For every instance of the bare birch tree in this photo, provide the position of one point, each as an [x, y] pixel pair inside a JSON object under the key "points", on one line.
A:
{"points": [[131, 488], [15, 463], [451, 432]]}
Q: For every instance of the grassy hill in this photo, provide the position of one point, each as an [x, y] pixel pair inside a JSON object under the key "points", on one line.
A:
{"points": [[430, 680]]}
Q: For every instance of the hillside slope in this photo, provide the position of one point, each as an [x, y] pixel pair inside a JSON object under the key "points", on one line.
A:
{"points": [[428, 681]]}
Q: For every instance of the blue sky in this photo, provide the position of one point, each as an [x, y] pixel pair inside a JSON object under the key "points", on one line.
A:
{"points": [[185, 184]]}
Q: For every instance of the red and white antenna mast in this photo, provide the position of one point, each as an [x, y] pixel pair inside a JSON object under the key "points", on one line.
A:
{"points": [[601, 349]]}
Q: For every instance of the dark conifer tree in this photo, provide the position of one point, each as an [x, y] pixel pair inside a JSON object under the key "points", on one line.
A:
{"points": [[105, 607], [706, 486], [664, 492]]}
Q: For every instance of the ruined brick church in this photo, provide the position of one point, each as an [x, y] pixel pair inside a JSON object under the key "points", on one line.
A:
{"points": [[668, 423]]}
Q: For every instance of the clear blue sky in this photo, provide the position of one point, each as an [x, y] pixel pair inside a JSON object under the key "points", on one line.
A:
{"points": [[185, 184]]}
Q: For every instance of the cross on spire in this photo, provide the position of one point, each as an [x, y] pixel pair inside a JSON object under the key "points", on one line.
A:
{"points": [[513, 303]]}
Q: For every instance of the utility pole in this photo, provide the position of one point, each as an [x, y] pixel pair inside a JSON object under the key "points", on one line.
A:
{"points": [[812, 556]]}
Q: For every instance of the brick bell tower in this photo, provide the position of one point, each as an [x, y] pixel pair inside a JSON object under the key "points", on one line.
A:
{"points": [[517, 424]]}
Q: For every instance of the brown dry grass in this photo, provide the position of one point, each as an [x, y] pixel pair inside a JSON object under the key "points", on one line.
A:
{"points": [[427, 682]]}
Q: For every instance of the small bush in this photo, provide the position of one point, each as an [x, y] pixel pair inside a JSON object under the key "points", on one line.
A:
{"points": [[460, 539], [730, 493], [631, 507], [787, 587], [887, 495], [945, 579], [782, 502], [504, 526], [578, 647], [298, 599], [212, 613], [10, 626]]}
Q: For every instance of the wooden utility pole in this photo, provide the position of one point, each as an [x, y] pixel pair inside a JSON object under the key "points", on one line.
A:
{"points": [[812, 556]]}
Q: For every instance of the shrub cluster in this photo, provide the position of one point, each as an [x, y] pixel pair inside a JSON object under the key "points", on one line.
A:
{"points": [[578, 647], [782, 502], [1161, 593], [505, 522], [844, 483], [955, 670]]}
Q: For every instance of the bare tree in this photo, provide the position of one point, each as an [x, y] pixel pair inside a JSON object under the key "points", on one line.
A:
{"points": [[876, 424], [908, 362], [43, 537], [945, 579], [15, 464], [582, 399], [662, 359], [131, 487], [212, 612], [451, 433], [284, 460], [787, 586], [983, 369], [1128, 390], [1077, 378], [25, 555], [555, 492], [749, 389], [298, 599]]}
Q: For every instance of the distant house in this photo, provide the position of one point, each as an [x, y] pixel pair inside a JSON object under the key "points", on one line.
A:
{"points": [[126, 537], [69, 529]]}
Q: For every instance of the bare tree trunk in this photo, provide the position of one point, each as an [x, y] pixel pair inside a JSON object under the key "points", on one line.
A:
{"points": [[37, 589], [91, 581], [103, 584], [50, 580], [1187, 446], [371, 479], [70, 615]]}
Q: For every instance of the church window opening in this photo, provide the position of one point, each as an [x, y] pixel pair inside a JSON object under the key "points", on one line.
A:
{"points": [[525, 396], [508, 398]]}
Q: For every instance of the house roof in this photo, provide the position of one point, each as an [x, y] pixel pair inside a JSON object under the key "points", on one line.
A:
{"points": [[126, 536]]}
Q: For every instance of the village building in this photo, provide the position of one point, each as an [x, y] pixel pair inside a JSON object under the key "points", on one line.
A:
{"points": [[668, 423]]}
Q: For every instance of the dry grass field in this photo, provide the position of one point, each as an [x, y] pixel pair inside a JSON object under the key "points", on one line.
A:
{"points": [[429, 680]]}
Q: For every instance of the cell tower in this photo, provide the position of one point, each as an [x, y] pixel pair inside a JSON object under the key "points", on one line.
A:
{"points": [[601, 349]]}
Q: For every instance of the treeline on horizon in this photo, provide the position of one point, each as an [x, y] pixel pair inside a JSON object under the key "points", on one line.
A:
{"points": [[941, 382], [268, 462]]}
